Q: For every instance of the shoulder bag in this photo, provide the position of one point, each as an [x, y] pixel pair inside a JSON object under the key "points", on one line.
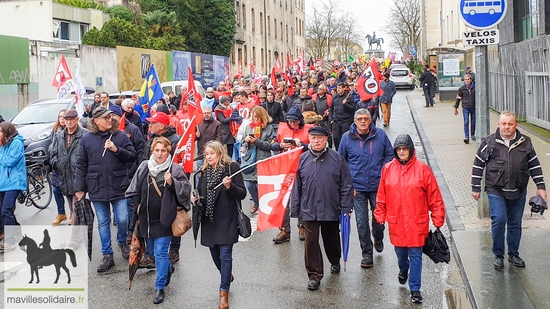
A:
{"points": [[182, 223], [243, 221]]}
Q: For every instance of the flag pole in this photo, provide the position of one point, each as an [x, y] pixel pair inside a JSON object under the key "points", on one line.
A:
{"points": [[248, 166], [105, 149]]}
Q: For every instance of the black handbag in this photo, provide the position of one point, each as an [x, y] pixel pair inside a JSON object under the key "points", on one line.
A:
{"points": [[436, 247], [243, 221]]}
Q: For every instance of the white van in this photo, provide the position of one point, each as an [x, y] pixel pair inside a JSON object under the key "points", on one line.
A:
{"points": [[176, 87]]}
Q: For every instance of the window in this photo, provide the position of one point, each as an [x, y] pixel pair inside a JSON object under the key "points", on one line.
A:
{"points": [[286, 32], [83, 30], [263, 56], [61, 30], [253, 20], [245, 55], [244, 17], [527, 19], [261, 23], [238, 12], [268, 26], [275, 26], [282, 31]]}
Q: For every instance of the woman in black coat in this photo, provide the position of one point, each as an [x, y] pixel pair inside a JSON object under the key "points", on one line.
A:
{"points": [[219, 218]]}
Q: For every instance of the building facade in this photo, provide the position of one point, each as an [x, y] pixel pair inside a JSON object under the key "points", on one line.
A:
{"points": [[267, 29]]}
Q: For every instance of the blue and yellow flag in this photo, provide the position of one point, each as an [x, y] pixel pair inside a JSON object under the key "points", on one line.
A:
{"points": [[151, 91]]}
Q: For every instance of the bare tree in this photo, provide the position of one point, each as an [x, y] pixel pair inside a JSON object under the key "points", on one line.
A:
{"points": [[403, 25], [350, 36], [323, 27]]}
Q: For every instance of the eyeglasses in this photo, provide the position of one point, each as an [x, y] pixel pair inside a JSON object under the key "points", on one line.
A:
{"points": [[361, 119], [401, 149]]}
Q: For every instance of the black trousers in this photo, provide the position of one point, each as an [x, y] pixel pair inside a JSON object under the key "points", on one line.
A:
{"points": [[338, 129], [330, 231]]}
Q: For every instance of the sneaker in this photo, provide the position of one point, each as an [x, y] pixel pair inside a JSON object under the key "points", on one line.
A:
{"points": [[366, 262], [59, 219], [148, 262], [466, 141], [173, 256], [416, 297], [498, 263], [302, 232], [402, 277], [125, 250], [253, 209], [106, 263], [282, 237], [516, 261], [378, 245]]}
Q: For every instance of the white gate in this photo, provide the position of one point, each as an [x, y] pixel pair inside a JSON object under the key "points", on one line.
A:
{"points": [[537, 100]]}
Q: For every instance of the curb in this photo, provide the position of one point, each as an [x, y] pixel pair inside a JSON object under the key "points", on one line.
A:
{"points": [[454, 222]]}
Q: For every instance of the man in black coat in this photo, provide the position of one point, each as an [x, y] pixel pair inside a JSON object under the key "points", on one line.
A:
{"points": [[427, 81], [319, 200], [341, 113], [101, 171]]}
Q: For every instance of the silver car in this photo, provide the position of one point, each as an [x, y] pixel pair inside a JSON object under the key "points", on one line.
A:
{"points": [[401, 76]]}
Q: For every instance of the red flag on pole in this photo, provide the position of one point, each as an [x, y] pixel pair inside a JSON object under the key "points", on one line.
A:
{"points": [[278, 66], [291, 84], [273, 78], [122, 124], [275, 178], [288, 62], [193, 98], [185, 151], [368, 84]]}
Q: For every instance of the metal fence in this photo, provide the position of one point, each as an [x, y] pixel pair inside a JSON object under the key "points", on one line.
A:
{"points": [[537, 100], [506, 93]]}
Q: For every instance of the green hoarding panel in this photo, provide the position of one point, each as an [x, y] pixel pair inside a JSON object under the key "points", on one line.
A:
{"points": [[14, 60]]}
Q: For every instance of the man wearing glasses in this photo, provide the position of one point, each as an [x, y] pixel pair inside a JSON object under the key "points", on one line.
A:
{"points": [[103, 101], [366, 149]]}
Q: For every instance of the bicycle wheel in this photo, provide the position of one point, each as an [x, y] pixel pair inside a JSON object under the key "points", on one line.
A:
{"points": [[40, 188]]}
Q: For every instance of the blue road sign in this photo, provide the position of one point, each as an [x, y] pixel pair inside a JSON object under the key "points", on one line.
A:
{"points": [[411, 48], [482, 14], [413, 53]]}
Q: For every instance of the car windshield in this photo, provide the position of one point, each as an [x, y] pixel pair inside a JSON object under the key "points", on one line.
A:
{"points": [[399, 73], [38, 113]]}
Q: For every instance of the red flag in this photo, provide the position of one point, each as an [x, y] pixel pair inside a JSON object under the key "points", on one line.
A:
{"points": [[291, 84], [185, 151], [122, 124], [273, 78], [275, 178], [278, 66], [193, 98], [368, 84], [288, 63], [240, 69]]}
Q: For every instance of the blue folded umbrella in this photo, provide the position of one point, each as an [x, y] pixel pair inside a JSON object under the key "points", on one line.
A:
{"points": [[345, 229]]}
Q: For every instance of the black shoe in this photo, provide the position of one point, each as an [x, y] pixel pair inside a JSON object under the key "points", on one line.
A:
{"points": [[378, 245], [498, 263], [170, 272], [516, 261], [148, 262], [416, 297], [466, 141], [402, 277], [124, 250], [366, 262], [313, 285], [173, 256], [106, 263], [159, 296], [473, 138], [335, 268]]}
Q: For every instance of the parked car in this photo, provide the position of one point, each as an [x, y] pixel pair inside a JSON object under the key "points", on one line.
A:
{"points": [[35, 123], [402, 77], [176, 87], [113, 97]]}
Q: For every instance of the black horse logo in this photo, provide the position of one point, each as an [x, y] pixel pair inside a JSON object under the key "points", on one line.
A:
{"points": [[45, 256]]}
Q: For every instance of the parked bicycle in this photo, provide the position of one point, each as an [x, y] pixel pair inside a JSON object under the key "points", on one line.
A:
{"points": [[39, 189]]}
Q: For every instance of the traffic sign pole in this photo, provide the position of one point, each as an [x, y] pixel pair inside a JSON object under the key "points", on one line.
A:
{"points": [[482, 114]]}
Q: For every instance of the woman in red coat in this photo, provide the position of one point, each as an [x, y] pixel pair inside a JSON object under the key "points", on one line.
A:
{"points": [[408, 192]]}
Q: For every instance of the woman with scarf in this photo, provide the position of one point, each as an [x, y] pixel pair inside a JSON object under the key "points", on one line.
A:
{"points": [[161, 187], [219, 217], [13, 179], [255, 137]]}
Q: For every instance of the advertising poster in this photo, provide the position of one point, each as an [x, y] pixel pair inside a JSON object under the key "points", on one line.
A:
{"points": [[181, 60]]}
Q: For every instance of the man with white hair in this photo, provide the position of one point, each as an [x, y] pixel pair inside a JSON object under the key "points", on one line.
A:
{"points": [[130, 114], [209, 100]]}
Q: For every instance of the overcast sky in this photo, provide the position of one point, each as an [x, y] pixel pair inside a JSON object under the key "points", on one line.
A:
{"points": [[369, 19]]}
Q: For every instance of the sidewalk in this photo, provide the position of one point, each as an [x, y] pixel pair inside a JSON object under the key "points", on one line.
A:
{"points": [[442, 136]]}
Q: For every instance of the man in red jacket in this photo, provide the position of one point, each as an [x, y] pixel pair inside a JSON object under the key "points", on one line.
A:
{"points": [[408, 192]]}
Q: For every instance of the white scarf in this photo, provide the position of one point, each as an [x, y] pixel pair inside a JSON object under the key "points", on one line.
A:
{"points": [[155, 168]]}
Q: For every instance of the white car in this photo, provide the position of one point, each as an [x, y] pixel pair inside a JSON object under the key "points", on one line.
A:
{"points": [[176, 87], [401, 76]]}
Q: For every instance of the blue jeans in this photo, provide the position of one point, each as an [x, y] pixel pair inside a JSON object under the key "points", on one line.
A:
{"points": [[469, 122], [222, 257], [361, 207], [505, 211], [252, 187], [7, 201], [428, 96], [162, 263], [103, 213], [411, 258], [59, 200]]}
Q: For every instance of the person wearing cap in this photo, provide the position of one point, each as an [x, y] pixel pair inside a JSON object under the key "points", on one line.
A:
{"points": [[319, 200], [365, 164], [468, 70], [159, 125], [291, 134], [63, 155], [386, 99], [101, 172], [262, 97], [407, 196]]}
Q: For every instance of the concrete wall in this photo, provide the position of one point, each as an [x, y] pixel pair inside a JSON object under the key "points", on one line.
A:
{"points": [[99, 68], [430, 24], [28, 19]]}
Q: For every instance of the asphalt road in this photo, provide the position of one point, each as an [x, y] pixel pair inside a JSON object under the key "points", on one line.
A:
{"points": [[269, 275]]}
